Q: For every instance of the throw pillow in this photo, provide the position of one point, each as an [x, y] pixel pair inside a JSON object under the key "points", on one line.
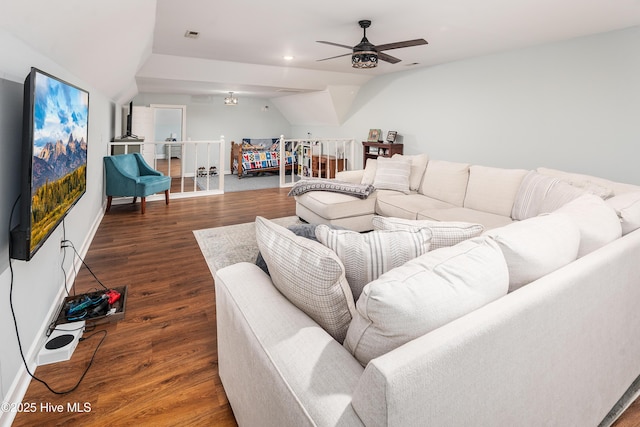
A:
{"points": [[443, 233], [369, 174], [418, 166], [424, 294], [392, 174], [309, 275], [559, 195], [532, 191], [537, 246], [598, 222], [367, 256], [627, 207]]}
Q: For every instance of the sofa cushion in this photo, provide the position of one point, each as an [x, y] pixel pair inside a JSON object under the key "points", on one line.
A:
{"points": [[537, 246], [532, 191], [598, 222], [418, 166], [424, 294], [443, 233], [627, 206], [446, 181], [392, 174], [406, 205], [309, 275], [488, 220], [595, 185], [367, 256], [334, 205], [493, 190]]}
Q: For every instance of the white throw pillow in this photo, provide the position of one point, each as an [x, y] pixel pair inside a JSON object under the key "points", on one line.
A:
{"points": [[627, 206], [598, 222], [443, 233], [309, 275], [418, 166], [366, 256], [369, 174], [392, 174], [424, 294], [537, 246]]}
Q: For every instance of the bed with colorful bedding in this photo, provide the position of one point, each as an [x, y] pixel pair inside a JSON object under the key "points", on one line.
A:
{"points": [[255, 155]]}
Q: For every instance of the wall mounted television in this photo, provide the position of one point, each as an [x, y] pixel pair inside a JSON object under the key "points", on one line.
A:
{"points": [[54, 159]]}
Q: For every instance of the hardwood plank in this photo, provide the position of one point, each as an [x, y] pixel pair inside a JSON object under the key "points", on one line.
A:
{"points": [[158, 366]]}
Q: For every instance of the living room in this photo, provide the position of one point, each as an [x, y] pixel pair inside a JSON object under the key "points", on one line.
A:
{"points": [[568, 102]]}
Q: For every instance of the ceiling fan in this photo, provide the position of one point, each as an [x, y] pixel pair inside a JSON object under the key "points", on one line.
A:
{"points": [[365, 54]]}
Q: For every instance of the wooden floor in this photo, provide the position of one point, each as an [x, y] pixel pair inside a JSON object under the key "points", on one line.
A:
{"points": [[159, 365]]}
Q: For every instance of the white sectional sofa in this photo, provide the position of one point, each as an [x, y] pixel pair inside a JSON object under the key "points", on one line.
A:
{"points": [[533, 322]]}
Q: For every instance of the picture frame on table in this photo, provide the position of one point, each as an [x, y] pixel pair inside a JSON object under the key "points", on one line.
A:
{"points": [[374, 135], [391, 136]]}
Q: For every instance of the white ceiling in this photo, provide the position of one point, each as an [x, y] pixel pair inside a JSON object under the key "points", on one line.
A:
{"points": [[126, 47]]}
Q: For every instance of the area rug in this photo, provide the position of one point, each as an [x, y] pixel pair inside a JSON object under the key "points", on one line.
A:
{"points": [[231, 244]]}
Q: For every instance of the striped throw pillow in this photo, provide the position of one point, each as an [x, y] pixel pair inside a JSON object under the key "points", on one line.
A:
{"points": [[532, 191], [367, 256], [393, 174], [443, 233]]}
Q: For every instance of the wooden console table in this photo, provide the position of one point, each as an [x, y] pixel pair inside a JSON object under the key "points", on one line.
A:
{"points": [[373, 150], [320, 165]]}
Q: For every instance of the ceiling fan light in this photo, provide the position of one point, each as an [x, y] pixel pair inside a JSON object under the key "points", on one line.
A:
{"points": [[364, 59], [230, 100]]}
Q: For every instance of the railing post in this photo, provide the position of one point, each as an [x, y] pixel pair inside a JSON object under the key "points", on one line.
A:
{"points": [[221, 165]]}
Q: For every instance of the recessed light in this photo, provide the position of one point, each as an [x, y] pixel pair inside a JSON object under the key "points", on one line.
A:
{"points": [[191, 34], [288, 58]]}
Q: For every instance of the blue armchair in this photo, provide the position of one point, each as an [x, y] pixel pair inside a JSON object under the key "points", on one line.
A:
{"points": [[130, 175]]}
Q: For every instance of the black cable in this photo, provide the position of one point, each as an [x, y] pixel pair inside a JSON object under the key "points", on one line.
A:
{"points": [[15, 324], [70, 245]]}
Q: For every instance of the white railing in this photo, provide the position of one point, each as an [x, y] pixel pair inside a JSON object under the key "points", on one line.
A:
{"points": [[320, 158], [196, 162]]}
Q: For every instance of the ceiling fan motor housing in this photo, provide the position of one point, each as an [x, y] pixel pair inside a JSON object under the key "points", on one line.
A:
{"points": [[365, 54]]}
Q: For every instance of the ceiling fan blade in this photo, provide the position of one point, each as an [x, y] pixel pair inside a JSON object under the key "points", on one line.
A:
{"points": [[388, 58], [333, 57], [335, 44], [398, 45]]}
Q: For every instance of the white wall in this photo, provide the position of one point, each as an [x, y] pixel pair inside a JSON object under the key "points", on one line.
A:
{"points": [[571, 105], [39, 284]]}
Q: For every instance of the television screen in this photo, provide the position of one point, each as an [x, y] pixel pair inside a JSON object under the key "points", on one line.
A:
{"points": [[54, 169]]}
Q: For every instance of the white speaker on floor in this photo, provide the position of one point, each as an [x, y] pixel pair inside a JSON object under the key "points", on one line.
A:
{"points": [[61, 343]]}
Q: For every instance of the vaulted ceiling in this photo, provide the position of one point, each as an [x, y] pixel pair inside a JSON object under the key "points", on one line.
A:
{"points": [[123, 47]]}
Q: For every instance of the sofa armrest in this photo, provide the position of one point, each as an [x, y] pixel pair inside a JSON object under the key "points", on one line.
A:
{"points": [[278, 367], [354, 176]]}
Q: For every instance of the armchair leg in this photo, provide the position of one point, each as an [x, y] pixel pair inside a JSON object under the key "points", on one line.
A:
{"points": [[108, 203], [134, 200], [143, 203], [166, 196]]}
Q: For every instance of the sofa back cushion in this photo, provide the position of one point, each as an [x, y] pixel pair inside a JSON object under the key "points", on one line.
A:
{"points": [[537, 246], [424, 294], [492, 189], [309, 275], [598, 222], [592, 184], [446, 181], [366, 256]]}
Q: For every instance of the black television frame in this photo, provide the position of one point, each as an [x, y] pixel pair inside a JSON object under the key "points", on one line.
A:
{"points": [[21, 247]]}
